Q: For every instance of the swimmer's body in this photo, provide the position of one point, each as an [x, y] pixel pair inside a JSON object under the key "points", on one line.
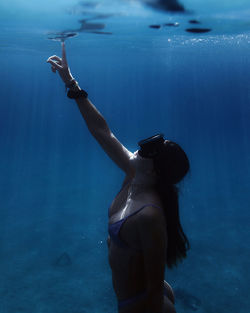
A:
{"points": [[138, 252], [135, 270]]}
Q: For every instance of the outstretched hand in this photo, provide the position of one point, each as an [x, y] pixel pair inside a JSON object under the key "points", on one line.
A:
{"points": [[61, 65]]}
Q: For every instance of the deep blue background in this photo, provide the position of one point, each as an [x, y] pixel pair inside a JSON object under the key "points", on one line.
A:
{"points": [[56, 183]]}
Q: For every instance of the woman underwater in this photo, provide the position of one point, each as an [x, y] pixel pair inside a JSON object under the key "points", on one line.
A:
{"points": [[145, 233]]}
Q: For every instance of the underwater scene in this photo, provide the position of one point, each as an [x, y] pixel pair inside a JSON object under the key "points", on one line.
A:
{"points": [[181, 68]]}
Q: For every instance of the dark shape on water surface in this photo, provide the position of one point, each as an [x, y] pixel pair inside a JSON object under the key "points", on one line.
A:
{"points": [[63, 260], [100, 16], [198, 30], [61, 36], [93, 27], [166, 5], [172, 24], [95, 16], [88, 4], [194, 22], [85, 26], [188, 300], [101, 33], [155, 26]]}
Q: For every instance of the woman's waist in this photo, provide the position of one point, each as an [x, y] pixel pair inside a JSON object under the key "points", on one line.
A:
{"points": [[126, 264], [128, 285]]}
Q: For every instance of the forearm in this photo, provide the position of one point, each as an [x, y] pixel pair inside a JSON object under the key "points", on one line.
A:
{"points": [[93, 118]]}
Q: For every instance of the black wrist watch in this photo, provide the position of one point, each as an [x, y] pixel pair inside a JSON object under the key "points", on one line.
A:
{"points": [[77, 94]]}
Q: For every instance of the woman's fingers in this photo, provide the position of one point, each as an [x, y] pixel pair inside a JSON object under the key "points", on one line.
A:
{"points": [[56, 58], [64, 59], [53, 69], [60, 65], [54, 64]]}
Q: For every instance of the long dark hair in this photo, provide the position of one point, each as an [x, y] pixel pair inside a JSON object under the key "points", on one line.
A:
{"points": [[171, 165]]}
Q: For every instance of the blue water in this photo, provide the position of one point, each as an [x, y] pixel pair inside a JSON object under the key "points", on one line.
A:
{"points": [[56, 183]]}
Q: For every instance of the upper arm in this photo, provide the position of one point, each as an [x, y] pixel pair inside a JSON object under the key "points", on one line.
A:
{"points": [[115, 150], [153, 237]]}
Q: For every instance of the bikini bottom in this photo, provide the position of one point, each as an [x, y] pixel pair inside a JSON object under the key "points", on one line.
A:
{"points": [[123, 303]]}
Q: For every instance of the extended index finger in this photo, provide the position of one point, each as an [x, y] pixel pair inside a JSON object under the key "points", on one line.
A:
{"points": [[64, 59]]}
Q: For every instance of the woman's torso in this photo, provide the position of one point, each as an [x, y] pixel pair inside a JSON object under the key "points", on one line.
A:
{"points": [[127, 262]]}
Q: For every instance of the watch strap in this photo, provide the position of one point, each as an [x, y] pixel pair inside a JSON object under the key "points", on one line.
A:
{"points": [[77, 94]]}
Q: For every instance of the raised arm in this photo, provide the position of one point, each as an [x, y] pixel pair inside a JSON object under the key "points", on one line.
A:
{"points": [[95, 122]]}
